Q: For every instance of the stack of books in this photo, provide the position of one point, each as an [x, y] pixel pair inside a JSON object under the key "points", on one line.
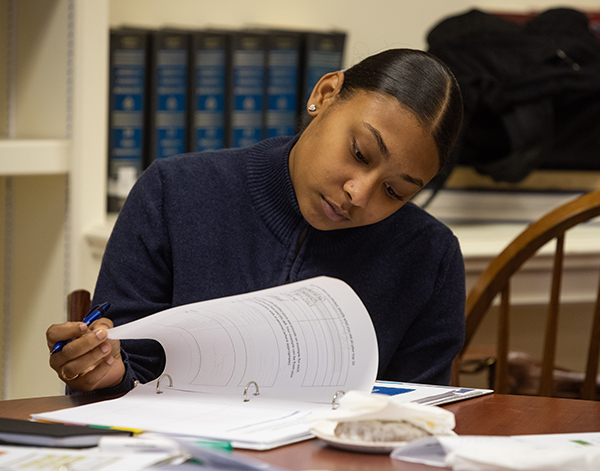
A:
{"points": [[175, 91]]}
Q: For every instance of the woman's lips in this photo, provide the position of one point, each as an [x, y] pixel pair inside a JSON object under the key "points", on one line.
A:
{"points": [[333, 212]]}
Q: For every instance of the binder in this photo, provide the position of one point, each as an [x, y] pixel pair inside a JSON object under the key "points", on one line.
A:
{"points": [[25, 432], [430, 394], [323, 52], [208, 104], [247, 88], [250, 368], [168, 103], [127, 102], [247, 369], [283, 73]]}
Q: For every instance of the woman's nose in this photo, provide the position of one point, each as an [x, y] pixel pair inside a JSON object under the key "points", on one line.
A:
{"points": [[360, 191]]}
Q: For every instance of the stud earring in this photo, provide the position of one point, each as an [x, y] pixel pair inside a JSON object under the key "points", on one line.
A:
{"points": [[312, 108]]}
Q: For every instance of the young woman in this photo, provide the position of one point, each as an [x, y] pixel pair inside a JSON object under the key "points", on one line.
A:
{"points": [[333, 200]]}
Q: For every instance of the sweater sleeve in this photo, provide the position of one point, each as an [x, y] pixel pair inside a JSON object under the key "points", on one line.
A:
{"points": [[435, 337], [136, 275]]}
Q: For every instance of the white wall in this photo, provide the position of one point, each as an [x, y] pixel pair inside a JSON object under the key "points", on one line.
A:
{"points": [[372, 25]]}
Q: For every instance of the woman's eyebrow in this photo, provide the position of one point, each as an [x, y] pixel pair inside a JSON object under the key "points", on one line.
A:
{"points": [[377, 135], [409, 179], [386, 153]]}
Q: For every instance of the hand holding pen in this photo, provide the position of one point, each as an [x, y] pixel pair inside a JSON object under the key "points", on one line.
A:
{"points": [[91, 361], [94, 314]]}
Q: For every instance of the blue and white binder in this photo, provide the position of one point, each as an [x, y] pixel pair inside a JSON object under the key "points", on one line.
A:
{"points": [[208, 90], [323, 53], [247, 88], [168, 94], [127, 106], [283, 73]]}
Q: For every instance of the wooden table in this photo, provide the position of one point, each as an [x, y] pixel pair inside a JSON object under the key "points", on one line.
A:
{"points": [[495, 414]]}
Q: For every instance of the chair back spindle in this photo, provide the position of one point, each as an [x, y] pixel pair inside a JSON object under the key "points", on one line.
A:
{"points": [[496, 280], [78, 305]]}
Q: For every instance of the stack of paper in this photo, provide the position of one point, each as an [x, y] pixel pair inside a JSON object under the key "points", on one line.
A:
{"points": [[551, 452]]}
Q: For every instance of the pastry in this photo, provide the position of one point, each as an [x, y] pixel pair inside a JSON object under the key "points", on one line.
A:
{"points": [[379, 431]]}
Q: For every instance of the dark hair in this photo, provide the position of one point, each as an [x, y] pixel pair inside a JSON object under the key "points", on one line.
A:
{"points": [[420, 82]]}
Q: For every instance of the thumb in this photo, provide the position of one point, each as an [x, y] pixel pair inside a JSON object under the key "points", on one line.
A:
{"points": [[102, 323]]}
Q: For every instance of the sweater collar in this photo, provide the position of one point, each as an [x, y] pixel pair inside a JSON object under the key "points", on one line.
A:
{"points": [[272, 192], [270, 187]]}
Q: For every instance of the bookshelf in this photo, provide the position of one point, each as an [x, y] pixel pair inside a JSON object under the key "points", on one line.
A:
{"points": [[34, 156], [52, 174]]}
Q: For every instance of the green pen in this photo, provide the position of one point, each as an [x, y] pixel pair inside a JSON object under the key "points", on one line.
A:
{"points": [[216, 444]]}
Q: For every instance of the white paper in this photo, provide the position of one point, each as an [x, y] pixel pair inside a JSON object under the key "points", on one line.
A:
{"points": [[305, 340], [432, 395], [300, 343], [546, 452], [257, 424], [52, 459]]}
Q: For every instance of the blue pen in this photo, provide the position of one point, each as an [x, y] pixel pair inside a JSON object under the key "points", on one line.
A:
{"points": [[95, 313]]}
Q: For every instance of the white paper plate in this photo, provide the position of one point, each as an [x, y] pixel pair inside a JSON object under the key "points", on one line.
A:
{"points": [[324, 431]]}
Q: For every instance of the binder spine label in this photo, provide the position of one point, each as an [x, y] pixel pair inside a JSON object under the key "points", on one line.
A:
{"points": [[282, 92], [248, 92], [209, 118], [170, 125]]}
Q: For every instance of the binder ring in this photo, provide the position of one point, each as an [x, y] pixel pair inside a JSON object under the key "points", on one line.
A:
{"points": [[158, 391], [256, 393], [336, 396]]}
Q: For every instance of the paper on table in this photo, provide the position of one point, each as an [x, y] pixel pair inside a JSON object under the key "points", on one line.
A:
{"points": [[305, 341], [51, 459], [300, 343], [259, 424], [427, 394], [547, 452]]}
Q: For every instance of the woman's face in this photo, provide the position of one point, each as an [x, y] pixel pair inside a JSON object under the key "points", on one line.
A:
{"points": [[359, 161]]}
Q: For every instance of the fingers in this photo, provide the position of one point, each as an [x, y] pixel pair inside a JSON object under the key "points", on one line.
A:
{"points": [[65, 331], [107, 373], [85, 371], [102, 323], [90, 361]]}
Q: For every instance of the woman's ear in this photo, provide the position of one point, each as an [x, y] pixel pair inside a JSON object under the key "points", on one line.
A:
{"points": [[325, 91]]}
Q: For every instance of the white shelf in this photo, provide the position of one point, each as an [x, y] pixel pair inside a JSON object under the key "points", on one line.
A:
{"points": [[485, 222], [54, 80], [34, 156], [97, 235], [484, 206], [486, 240]]}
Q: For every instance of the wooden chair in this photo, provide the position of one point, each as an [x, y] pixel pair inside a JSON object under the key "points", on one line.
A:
{"points": [[496, 280], [78, 305]]}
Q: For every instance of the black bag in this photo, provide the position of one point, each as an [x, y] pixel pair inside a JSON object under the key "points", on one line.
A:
{"points": [[531, 92]]}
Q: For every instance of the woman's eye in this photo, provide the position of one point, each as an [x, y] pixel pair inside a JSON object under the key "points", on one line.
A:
{"points": [[359, 155], [390, 191]]}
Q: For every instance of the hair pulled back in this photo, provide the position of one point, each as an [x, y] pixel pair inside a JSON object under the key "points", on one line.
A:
{"points": [[421, 83]]}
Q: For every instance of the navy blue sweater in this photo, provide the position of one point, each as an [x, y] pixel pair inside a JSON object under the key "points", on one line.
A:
{"points": [[207, 225]]}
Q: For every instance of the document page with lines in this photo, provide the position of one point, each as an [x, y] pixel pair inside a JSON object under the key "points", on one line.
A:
{"points": [[298, 344]]}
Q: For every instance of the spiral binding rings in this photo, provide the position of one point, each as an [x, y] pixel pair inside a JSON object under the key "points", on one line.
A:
{"points": [[158, 391], [334, 403], [256, 393], [336, 396]]}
